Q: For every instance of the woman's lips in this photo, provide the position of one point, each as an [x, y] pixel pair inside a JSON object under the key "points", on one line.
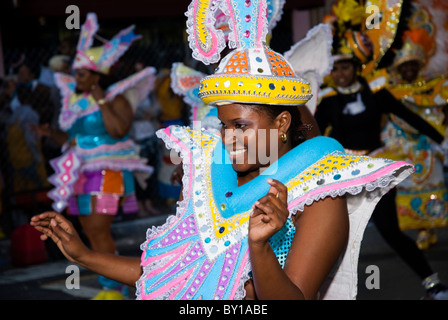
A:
{"points": [[341, 81], [236, 152]]}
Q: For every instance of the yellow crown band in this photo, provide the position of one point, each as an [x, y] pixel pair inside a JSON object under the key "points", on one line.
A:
{"points": [[219, 89]]}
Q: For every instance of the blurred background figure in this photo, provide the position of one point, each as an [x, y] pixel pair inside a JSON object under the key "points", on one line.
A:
{"points": [[24, 102], [422, 199], [173, 112], [352, 109], [146, 122], [93, 177]]}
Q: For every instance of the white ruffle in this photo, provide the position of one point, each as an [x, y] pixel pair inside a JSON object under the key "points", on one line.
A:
{"points": [[181, 205], [277, 12], [302, 55], [209, 27], [180, 208], [311, 59], [389, 181], [142, 81]]}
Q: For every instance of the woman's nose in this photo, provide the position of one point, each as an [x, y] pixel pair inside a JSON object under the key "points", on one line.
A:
{"points": [[228, 136]]}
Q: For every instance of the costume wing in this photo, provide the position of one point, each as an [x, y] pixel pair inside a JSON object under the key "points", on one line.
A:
{"points": [[311, 59], [136, 87], [185, 82]]}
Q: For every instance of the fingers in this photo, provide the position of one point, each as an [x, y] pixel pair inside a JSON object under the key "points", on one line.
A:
{"points": [[265, 210], [47, 233], [62, 223], [44, 232], [279, 189], [60, 229], [43, 219], [52, 225], [176, 176], [269, 205], [273, 204], [44, 215], [41, 222]]}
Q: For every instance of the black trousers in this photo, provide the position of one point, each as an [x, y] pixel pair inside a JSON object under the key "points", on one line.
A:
{"points": [[386, 220]]}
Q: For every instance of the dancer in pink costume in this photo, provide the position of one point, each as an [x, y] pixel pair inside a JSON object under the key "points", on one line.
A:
{"points": [[288, 228], [94, 175]]}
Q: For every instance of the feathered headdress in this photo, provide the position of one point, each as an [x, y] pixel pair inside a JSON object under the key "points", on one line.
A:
{"points": [[417, 46], [354, 39], [418, 40], [349, 38], [311, 59], [252, 73], [101, 58], [385, 34], [435, 12]]}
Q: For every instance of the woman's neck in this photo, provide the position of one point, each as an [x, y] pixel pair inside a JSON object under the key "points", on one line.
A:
{"points": [[245, 177]]}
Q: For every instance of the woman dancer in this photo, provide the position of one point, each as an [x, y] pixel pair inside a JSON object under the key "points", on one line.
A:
{"points": [[94, 176], [263, 213]]}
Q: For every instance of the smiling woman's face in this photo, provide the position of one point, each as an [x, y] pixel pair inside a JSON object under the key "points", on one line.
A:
{"points": [[409, 70], [246, 133], [85, 79], [344, 73]]}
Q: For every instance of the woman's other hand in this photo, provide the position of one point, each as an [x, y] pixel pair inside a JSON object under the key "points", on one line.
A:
{"points": [[269, 213], [54, 226], [40, 130]]}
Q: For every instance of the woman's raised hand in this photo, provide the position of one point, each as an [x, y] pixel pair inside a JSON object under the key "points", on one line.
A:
{"points": [[269, 213], [40, 130], [54, 226], [97, 92]]}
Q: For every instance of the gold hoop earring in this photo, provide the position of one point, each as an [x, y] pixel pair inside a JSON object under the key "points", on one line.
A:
{"points": [[284, 137]]}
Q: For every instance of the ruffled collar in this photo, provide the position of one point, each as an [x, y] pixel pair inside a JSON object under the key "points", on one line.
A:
{"points": [[356, 87]]}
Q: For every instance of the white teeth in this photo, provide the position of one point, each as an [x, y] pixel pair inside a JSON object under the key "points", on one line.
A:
{"points": [[237, 152]]}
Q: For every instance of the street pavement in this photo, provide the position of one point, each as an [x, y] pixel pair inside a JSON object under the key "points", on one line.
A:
{"points": [[396, 281]]}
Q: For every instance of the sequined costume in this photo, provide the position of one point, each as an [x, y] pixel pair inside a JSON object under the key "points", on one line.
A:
{"points": [[98, 165], [202, 251], [422, 199]]}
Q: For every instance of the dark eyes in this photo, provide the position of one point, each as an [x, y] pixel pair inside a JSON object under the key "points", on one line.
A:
{"points": [[236, 125], [342, 67]]}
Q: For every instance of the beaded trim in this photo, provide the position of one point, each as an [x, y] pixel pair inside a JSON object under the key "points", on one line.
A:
{"points": [[254, 89]]}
